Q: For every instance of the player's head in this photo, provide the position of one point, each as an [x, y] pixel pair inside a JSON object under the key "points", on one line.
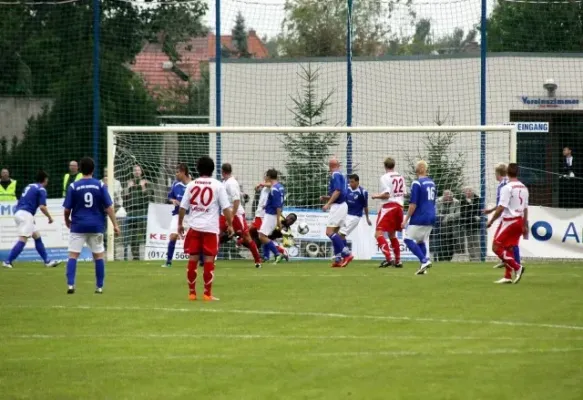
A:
{"points": [[566, 151], [353, 181], [73, 167], [421, 168], [290, 219], [389, 163], [182, 172], [334, 164], [271, 174], [512, 170], [226, 170], [42, 177], [500, 171], [5, 174], [138, 172], [205, 166], [87, 166]]}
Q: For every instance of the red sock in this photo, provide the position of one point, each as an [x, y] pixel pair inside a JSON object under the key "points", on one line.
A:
{"points": [[507, 272], [191, 274], [254, 251], [508, 258], [280, 249], [240, 242], [396, 249], [209, 276], [384, 247]]}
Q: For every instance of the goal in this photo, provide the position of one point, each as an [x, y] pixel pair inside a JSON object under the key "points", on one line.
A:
{"points": [[142, 160]]}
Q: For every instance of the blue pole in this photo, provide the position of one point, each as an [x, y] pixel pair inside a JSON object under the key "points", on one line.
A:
{"points": [[349, 86], [96, 96], [483, 55], [218, 79]]}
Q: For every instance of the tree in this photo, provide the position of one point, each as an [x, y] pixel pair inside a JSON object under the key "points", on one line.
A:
{"points": [[240, 37], [551, 27], [318, 28], [306, 167], [446, 166]]}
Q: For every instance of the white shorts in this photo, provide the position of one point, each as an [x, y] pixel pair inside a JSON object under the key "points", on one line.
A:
{"points": [[337, 215], [350, 224], [268, 225], [94, 242], [24, 223], [418, 233], [174, 225]]}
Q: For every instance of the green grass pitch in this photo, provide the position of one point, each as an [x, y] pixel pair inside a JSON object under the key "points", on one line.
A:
{"points": [[294, 331]]}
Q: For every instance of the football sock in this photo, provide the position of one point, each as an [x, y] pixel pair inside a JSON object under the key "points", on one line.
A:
{"points": [[507, 258], [40, 248], [516, 251], [266, 251], [415, 249], [254, 251], [191, 274], [384, 247], [507, 272], [15, 252], [209, 276], [99, 272], [71, 271], [273, 248], [423, 248], [336, 243], [396, 249], [280, 249], [171, 248]]}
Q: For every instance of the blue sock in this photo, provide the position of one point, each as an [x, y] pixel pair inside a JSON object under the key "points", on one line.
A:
{"points": [[266, 251], [337, 243], [71, 271], [40, 248], [423, 248], [170, 255], [516, 251], [99, 272], [15, 252], [273, 248], [415, 249]]}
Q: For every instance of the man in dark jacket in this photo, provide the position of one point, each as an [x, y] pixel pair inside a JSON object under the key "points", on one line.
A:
{"points": [[470, 218]]}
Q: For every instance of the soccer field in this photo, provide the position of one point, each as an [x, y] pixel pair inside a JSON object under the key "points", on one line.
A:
{"points": [[295, 331]]}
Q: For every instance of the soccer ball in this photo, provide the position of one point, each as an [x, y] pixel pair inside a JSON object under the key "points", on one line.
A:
{"points": [[303, 228]]}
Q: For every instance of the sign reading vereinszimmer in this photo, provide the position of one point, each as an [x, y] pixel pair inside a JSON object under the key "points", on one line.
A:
{"points": [[549, 102]]}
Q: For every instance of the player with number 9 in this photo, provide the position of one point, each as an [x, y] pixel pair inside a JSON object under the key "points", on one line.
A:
{"points": [[390, 217], [86, 204], [420, 216]]}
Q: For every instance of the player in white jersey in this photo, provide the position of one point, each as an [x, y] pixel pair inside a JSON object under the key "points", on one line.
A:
{"points": [[513, 207], [501, 177], [205, 198], [390, 216], [239, 222]]}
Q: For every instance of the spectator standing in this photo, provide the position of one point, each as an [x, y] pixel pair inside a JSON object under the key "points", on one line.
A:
{"points": [[138, 194], [448, 215], [72, 176], [7, 186], [471, 217]]}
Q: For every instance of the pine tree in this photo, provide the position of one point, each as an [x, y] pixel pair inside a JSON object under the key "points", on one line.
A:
{"points": [[240, 36], [306, 167]]}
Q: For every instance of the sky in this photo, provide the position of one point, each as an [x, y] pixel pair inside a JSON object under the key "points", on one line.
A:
{"points": [[265, 16]]}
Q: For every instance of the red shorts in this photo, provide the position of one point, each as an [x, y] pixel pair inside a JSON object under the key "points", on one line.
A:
{"points": [[197, 242], [239, 224], [390, 218], [257, 223], [509, 232]]}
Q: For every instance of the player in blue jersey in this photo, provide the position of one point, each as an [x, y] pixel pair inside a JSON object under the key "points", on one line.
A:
{"points": [[272, 218], [357, 202], [175, 196], [336, 204], [502, 178], [34, 197], [86, 205], [420, 216]]}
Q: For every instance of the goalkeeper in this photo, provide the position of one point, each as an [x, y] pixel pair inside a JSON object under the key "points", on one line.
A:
{"points": [[284, 234]]}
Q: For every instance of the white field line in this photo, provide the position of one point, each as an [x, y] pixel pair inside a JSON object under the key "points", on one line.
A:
{"points": [[309, 314], [299, 355], [155, 336]]}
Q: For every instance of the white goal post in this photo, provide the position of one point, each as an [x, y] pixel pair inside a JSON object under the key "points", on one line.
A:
{"points": [[252, 150]]}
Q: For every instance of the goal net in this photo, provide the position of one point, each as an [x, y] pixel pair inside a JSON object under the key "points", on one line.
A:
{"points": [[142, 165]]}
